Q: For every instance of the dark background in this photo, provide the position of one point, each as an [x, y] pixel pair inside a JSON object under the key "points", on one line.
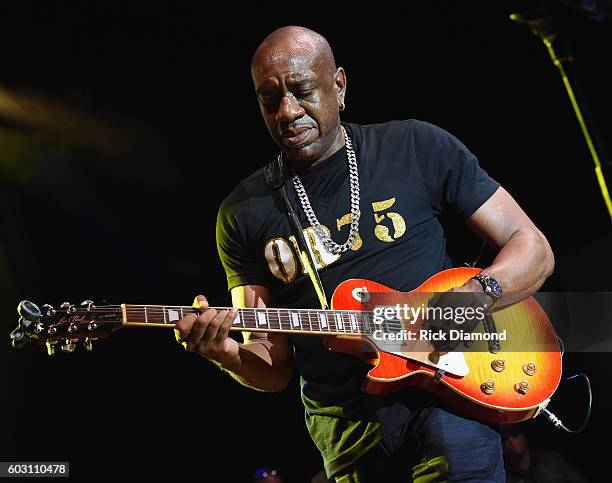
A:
{"points": [[136, 120]]}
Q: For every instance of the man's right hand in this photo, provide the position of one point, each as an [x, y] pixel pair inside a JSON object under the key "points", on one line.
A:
{"points": [[263, 361], [207, 334]]}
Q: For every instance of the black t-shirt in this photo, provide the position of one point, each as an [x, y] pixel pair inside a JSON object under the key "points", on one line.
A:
{"points": [[409, 173]]}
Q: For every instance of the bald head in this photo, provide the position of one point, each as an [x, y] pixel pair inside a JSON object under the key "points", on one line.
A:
{"points": [[294, 42], [300, 92]]}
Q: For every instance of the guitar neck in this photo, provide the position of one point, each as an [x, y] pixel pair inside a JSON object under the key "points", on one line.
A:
{"points": [[290, 321]]}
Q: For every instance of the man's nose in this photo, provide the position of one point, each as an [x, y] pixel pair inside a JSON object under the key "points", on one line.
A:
{"points": [[289, 109]]}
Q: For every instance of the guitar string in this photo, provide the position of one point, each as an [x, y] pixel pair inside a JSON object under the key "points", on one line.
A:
{"points": [[283, 315], [285, 322], [249, 316], [250, 321]]}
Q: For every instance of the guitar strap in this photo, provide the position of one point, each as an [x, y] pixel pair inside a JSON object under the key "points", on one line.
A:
{"points": [[277, 177]]}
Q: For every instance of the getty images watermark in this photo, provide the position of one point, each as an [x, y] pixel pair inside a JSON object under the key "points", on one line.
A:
{"points": [[404, 322], [545, 322]]}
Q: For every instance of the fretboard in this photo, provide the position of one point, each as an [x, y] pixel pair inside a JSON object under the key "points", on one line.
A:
{"points": [[305, 321]]}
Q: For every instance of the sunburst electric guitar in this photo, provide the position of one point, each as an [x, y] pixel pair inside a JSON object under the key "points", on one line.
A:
{"points": [[494, 380]]}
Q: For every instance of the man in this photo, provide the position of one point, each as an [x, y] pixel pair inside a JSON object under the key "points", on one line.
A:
{"points": [[524, 465], [406, 174]]}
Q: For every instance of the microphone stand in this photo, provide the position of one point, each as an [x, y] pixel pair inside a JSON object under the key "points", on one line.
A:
{"points": [[544, 25]]}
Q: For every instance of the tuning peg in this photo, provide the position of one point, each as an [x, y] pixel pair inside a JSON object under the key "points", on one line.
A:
{"points": [[49, 310], [88, 344], [29, 311], [17, 334], [51, 347], [68, 307], [68, 345], [87, 303], [19, 338]]}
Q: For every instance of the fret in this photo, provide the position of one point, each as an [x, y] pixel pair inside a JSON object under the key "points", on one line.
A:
{"points": [[243, 316], [264, 320], [181, 308], [366, 322], [309, 321], [164, 314], [145, 315], [296, 323], [251, 321], [347, 323], [280, 319]]}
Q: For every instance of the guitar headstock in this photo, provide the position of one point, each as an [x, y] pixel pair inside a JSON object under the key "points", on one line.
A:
{"points": [[66, 326]]}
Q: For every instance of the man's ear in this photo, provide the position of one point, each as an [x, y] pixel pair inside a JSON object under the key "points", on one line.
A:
{"points": [[340, 85]]}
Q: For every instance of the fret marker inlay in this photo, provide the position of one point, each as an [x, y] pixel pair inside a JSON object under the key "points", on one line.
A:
{"points": [[173, 315], [261, 318], [323, 319], [295, 318]]}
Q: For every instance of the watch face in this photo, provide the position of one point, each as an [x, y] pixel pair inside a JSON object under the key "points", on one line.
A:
{"points": [[493, 287], [489, 285]]}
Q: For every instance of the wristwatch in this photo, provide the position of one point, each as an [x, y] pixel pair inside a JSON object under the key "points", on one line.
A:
{"points": [[489, 285]]}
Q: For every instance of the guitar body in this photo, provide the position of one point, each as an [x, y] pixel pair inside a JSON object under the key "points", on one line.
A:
{"points": [[526, 325]]}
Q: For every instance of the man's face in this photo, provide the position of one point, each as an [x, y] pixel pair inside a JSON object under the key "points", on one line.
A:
{"points": [[298, 96], [515, 444]]}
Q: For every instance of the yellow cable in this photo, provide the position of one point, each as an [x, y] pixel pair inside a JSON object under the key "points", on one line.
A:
{"points": [[598, 173]]}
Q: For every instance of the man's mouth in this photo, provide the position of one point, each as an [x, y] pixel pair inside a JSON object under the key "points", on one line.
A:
{"points": [[296, 137]]}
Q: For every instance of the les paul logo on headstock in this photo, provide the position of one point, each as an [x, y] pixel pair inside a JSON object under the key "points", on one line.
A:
{"points": [[72, 319]]}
